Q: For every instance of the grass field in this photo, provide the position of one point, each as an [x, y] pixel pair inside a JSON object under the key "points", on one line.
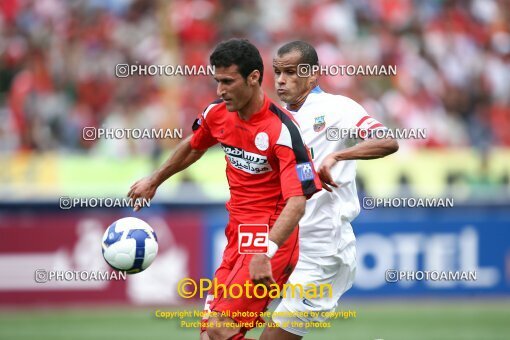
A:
{"points": [[419, 319]]}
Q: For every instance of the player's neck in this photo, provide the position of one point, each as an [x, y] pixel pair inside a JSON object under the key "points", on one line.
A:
{"points": [[253, 106], [296, 106], [299, 102]]}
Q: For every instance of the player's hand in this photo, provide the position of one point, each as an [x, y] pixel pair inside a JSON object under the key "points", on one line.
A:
{"points": [[260, 270], [325, 171], [326, 187], [142, 189]]}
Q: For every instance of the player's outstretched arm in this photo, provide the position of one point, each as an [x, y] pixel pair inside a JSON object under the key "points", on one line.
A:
{"points": [[183, 157], [260, 266], [368, 149]]}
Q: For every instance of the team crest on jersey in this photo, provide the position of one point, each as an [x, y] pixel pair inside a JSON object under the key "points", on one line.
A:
{"points": [[319, 124], [262, 141]]}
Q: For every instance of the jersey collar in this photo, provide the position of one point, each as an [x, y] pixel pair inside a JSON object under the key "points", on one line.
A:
{"points": [[316, 89], [260, 115]]}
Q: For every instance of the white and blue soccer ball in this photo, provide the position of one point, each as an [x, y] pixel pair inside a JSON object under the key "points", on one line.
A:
{"points": [[130, 245]]}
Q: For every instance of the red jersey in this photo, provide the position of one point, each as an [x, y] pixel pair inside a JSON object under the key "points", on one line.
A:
{"points": [[267, 160]]}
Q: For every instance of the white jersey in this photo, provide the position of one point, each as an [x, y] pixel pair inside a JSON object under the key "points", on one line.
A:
{"points": [[323, 119]]}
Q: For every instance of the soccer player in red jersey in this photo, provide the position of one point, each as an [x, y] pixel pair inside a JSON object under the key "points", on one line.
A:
{"points": [[270, 175]]}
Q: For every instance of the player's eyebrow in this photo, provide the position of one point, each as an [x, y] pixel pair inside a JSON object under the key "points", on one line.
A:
{"points": [[284, 66], [223, 78]]}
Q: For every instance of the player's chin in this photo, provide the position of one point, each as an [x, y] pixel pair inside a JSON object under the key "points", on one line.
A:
{"points": [[288, 99], [283, 97], [230, 106]]}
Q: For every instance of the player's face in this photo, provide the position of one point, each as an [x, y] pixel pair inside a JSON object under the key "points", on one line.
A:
{"points": [[233, 88], [291, 88]]}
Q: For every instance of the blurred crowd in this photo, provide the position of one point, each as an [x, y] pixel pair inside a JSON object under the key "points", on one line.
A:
{"points": [[58, 57]]}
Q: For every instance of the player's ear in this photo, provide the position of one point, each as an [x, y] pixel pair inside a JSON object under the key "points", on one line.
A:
{"points": [[314, 76], [253, 78]]}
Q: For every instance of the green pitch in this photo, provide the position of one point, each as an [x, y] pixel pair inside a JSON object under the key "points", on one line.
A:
{"points": [[383, 320]]}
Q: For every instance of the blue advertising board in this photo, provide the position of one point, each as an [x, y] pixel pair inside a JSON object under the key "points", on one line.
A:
{"points": [[454, 251], [398, 249]]}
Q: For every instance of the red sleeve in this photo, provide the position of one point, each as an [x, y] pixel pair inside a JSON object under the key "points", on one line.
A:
{"points": [[202, 137], [296, 179]]}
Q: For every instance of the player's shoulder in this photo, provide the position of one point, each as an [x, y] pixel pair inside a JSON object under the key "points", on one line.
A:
{"points": [[281, 116], [278, 112], [336, 101], [285, 128], [214, 107]]}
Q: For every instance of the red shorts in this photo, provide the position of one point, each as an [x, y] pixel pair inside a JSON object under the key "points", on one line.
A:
{"points": [[234, 269]]}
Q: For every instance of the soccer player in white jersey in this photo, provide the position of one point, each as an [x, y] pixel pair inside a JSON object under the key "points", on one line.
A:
{"points": [[327, 242]]}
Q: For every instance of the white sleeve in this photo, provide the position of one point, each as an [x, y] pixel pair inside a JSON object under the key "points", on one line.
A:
{"points": [[356, 117]]}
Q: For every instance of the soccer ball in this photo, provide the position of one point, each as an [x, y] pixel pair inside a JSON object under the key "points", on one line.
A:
{"points": [[130, 245]]}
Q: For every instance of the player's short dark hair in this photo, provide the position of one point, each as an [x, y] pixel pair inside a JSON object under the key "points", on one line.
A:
{"points": [[307, 52], [238, 52]]}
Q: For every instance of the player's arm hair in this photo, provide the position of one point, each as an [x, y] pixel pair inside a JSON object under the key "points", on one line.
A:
{"points": [[288, 219], [183, 157], [368, 149]]}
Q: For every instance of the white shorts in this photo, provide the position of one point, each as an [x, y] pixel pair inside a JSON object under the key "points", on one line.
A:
{"points": [[337, 270]]}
